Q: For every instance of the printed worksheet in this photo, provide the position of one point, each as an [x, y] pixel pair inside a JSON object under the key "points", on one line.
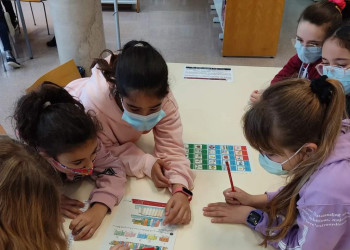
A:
{"points": [[138, 224], [215, 156], [208, 73]]}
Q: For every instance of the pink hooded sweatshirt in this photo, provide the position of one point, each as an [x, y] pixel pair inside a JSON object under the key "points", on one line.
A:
{"points": [[119, 137], [109, 175]]}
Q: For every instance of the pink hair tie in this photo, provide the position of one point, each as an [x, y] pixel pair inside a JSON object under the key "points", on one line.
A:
{"points": [[340, 3]]}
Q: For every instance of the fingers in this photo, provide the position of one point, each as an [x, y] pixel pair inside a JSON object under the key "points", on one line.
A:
{"points": [[232, 201], [168, 216], [71, 202], [68, 213], [222, 204], [119, 247], [163, 165], [159, 179], [179, 215], [86, 233]]}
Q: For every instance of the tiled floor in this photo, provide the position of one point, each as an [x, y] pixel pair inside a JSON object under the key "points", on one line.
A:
{"points": [[182, 30]]}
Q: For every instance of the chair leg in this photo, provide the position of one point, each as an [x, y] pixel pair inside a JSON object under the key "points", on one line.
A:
{"points": [[32, 12], [138, 6], [47, 25], [3, 62], [19, 25]]}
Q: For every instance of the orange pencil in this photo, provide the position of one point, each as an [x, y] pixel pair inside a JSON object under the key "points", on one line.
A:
{"points": [[229, 175]]}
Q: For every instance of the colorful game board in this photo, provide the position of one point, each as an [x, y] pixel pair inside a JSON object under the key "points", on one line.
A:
{"points": [[138, 224], [214, 157]]}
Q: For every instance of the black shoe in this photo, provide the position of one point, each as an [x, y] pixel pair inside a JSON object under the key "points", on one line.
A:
{"points": [[11, 61], [52, 42]]}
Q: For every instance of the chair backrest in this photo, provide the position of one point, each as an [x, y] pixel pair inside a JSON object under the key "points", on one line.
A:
{"points": [[2, 131], [62, 75]]}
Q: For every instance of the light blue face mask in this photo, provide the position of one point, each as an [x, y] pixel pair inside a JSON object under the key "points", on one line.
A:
{"points": [[141, 122], [308, 54], [275, 167], [340, 74]]}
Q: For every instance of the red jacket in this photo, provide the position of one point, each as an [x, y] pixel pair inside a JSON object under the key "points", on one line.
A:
{"points": [[291, 70]]}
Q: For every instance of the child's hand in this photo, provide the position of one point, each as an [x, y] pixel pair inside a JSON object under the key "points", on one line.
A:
{"points": [[70, 207], [157, 174], [85, 225], [119, 247], [255, 96], [222, 212], [239, 197], [242, 198], [178, 210]]}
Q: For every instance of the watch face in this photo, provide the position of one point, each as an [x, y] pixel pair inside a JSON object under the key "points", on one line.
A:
{"points": [[187, 191], [254, 218]]}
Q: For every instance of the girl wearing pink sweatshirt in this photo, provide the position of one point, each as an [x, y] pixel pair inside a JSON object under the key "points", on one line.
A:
{"points": [[130, 95], [57, 126]]}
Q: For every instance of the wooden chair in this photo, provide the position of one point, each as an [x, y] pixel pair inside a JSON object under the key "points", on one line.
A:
{"points": [[2, 131], [31, 8], [62, 75]]}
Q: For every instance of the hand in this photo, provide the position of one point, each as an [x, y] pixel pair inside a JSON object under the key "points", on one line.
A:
{"points": [[84, 226], [70, 207], [222, 212], [157, 174], [177, 210], [242, 198], [119, 247], [255, 96], [239, 197]]}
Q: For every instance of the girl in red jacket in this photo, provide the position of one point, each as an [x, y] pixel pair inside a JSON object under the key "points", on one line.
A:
{"points": [[315, 24]]}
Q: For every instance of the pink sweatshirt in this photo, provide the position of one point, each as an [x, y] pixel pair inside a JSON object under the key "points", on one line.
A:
{"points": [[109, 175], [120, 137]]}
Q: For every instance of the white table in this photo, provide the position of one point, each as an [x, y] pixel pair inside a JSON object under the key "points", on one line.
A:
{"points": [[211, 112]]}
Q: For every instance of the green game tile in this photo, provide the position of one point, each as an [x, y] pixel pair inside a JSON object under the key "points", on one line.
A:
{"points": [[191, 156], [205, 166], [204, 146], [218, 167], [191, 146], [191, 151], [205, 161], [204, 152]]}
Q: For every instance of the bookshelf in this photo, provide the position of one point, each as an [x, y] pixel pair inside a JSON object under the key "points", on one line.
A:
{"points": [[250, 27]]}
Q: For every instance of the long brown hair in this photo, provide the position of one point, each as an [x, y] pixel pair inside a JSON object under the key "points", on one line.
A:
{"points": [[29, 200], [289, 115]]}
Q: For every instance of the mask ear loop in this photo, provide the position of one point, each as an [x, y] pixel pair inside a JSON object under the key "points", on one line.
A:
{"points": [[293, 155]]}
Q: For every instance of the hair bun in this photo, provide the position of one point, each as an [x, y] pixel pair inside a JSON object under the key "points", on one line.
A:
{"points": [[322, 88]]}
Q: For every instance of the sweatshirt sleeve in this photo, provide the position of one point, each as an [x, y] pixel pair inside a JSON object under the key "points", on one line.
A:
{"points": [[110, 178], [290, 70], [317, 227], [136, 162], [170, 148]]}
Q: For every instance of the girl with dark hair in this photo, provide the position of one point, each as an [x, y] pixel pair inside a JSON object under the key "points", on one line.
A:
{"points": [[51, 121], [315, 24], [299, 130], [129, 92], [336, 59]]}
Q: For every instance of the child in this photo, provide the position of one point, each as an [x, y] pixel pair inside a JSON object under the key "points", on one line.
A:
{"points": [[336, 59], [30, 216], [315, 23], [130, 95], [55, 124], [298, 129]]}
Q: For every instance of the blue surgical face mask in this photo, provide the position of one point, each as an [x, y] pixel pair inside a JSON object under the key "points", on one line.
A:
{"points": [[141, 122], [340, 74], [308, 54], [275, 167]]}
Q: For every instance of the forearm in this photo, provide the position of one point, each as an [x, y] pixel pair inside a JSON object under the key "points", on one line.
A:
{"points": [[259, 201]]}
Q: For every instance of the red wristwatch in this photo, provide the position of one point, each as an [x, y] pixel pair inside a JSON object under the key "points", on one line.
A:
{"points": [[185, 191]]}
